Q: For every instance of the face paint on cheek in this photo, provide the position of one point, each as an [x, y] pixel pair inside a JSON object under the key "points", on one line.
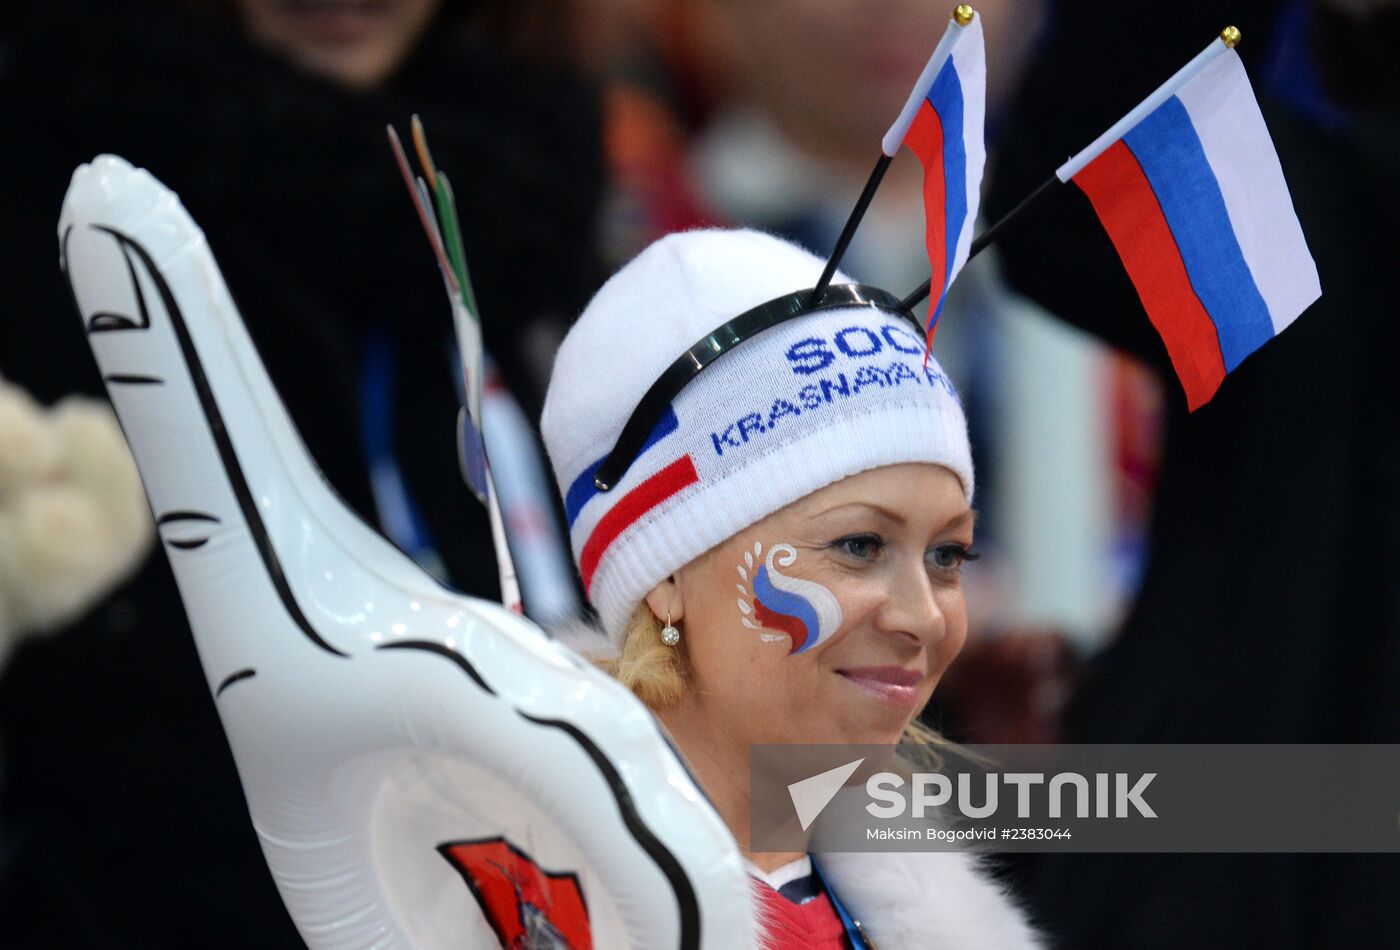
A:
{"points": [[804, 611]]}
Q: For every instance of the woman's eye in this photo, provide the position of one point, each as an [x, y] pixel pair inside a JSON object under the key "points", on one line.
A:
{"points": [[949, 558], [862, 547]]}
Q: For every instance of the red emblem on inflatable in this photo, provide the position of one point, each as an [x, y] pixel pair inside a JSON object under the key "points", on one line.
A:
{"points": [[528, 907]]}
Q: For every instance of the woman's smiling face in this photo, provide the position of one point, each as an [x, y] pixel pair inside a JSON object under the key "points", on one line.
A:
{"points": [[831, 620]]}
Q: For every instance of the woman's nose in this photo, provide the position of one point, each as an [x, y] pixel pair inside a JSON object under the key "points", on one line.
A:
{"points": [[911, 609]]}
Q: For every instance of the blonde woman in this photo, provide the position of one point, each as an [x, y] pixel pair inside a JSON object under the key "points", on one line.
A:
{"points": [[769, 500]]}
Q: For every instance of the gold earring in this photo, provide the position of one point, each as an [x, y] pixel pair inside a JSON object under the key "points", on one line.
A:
{"points": [[669, 634]]}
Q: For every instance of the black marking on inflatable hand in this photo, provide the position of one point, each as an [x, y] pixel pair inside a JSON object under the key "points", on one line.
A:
{"points": [[174, 517], [430, 646], [688, 904], [234, 678], [131, 379], [170, 517], [105, 321], [263, 541]]}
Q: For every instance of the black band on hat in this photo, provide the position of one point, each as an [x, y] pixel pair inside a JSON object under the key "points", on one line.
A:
{"points": [[715, 344]]}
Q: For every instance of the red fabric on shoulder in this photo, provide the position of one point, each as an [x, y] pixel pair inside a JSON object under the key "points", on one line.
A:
{"points": [[810, 926]]}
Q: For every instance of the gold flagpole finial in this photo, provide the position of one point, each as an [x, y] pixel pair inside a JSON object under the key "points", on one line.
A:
{"points": [[1230, 37], [962, 14]]}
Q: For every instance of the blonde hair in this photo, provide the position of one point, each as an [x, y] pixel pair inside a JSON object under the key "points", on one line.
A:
{"points": [[655, 673], [658, 675]]}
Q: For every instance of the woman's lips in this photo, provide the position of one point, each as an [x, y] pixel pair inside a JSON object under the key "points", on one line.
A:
{"points": [[891, 684]]}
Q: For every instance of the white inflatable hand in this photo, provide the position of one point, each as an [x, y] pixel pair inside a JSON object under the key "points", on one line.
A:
{"points": [[422, 768]]}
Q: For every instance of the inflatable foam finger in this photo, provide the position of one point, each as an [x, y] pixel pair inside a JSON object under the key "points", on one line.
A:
{"points": [[422, 768]]}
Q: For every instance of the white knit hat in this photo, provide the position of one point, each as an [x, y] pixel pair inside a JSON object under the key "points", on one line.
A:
{"points": [[797, 407]]}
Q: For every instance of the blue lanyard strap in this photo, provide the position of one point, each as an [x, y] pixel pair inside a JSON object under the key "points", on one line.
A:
{"points": [[853, 932], [399, 516]]}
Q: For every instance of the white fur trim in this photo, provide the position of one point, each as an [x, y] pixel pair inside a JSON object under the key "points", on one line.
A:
{"points": [[917, 899], [911, 901]]}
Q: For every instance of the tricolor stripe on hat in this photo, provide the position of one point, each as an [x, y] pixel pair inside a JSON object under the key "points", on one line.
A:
{"points": [[670, 478]]}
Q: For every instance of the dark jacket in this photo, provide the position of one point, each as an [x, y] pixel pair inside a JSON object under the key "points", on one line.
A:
{"points": [[1269, 610]]}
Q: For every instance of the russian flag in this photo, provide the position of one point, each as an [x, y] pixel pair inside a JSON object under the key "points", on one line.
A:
{"points": [[942, 124], [1190, 190]]}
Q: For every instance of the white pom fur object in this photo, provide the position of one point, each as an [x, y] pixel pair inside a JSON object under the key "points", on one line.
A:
{"points": [[73, 516]]}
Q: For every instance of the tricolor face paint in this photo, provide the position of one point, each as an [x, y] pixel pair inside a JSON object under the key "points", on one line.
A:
{"points": [[803, 611]]}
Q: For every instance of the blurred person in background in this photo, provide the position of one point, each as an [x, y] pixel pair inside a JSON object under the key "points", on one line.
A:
{"points": [[807, 88], [1269, 610], [784, 104], [121, 817]]}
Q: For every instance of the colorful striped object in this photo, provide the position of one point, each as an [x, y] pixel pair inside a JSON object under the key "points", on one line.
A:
{"points": [[1191, 192], [942, 124], [668, 475]]}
